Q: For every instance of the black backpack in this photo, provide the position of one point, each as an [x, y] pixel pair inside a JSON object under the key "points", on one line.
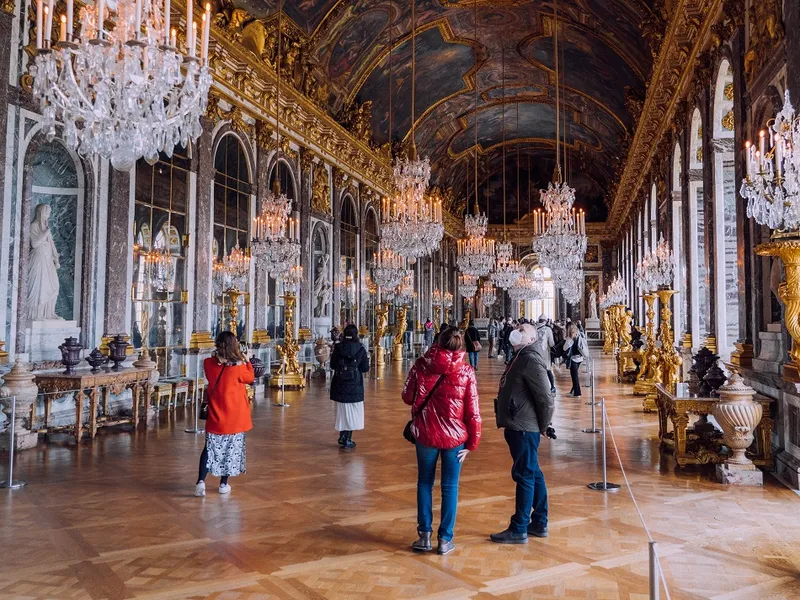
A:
{"points": [[348, 368]]}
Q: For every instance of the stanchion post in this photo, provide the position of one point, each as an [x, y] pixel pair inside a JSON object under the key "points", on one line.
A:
{"points": [[11, 483], [593, 428], [591, 380], [603, 486], [655, 587], [196, 429]]}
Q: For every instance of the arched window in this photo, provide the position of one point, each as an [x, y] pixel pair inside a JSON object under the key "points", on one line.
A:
{"points": [[159, 261], [232, 215], [699, 280], [348, 257], [726, 275], [371, 239], [679, 282], [653, 217], [275, 286]]}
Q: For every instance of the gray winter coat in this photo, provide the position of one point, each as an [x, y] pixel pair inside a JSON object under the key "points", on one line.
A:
{"points": [[524, 402]]}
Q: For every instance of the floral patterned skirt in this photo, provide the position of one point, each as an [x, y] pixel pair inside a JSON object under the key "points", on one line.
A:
{"points": [[226, 454]]}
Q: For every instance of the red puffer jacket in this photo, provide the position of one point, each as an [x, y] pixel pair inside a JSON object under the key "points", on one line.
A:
{"points": [[452, 416]]}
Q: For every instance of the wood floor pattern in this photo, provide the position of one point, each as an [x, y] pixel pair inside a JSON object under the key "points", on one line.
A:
{"points": [[116, 519]]}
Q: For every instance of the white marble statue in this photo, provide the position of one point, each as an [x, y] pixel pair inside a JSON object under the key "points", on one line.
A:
{"points": [[323, 291], [42, 268], [593, 305]]}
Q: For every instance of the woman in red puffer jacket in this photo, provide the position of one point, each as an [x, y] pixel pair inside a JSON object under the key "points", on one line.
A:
{"points": [[446, 422]]}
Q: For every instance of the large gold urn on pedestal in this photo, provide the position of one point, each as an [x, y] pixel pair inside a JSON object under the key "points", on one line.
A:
{"points": [[788, 250], [288, 372], [645, 382]]}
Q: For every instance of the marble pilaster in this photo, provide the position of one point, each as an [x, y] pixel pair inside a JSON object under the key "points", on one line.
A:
{"points": [[260, 288], [119, 249], [709, 215], [204, 229], [306, 302]]}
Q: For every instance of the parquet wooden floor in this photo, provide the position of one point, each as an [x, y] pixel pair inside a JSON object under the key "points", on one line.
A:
{"points": [[116, 518]]}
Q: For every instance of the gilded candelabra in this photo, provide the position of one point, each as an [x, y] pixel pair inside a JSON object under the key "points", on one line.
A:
{"points": [[624, 321], [465, 321], [666, 367], [381, 326], [233, 324], [290, 375], [402, 326], [645, 384], [788, 250]]}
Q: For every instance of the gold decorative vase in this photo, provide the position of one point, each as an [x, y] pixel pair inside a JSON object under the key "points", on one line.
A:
{"points": [[381, 328], [788, 250], [402, 326]]}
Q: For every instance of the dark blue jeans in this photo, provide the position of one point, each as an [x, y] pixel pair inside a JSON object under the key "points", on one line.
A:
{"points": [[451, 469], [473, 359], [531, 505]]}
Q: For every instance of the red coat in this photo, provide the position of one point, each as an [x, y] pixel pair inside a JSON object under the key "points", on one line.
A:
{"points": [[452, 416], [228, 406]]}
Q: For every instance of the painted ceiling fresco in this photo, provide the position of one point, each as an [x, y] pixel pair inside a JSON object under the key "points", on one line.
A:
{"points": [[602, 52]]}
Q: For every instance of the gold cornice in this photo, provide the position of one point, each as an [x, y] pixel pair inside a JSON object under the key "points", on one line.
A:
{"points": [[521, 234], [687, 34]]}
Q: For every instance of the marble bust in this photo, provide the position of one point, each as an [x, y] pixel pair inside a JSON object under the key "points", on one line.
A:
{"points": [[43, 265]]}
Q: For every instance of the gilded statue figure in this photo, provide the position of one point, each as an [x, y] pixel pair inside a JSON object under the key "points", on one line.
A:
{"points": [[670, 364], [361, 125], [625, 337], [402, 325], [271, 47], [320, 190], [381, 323], [290, 59]]}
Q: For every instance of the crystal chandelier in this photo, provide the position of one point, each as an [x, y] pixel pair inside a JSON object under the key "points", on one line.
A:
{"points": [[656, 269], [160, 269], [475, 252], [447, 300], [436, 299], [412, 221], [559, 232], [644, 275], [524, 287], [570, 283], [616, 293], [538, 290], [404, 292], [123, 93], [506, 269], [488, 294], [388, 268], [772, 184], [467, 285], [294, 278], [237, 265], [276, 244]]}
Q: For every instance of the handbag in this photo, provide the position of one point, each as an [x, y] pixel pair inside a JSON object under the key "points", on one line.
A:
{"points": [[476, 345], [407, 429], [207, 394]]}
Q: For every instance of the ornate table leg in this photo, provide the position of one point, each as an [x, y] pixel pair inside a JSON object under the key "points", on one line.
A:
{"points": [[47, 408], [135, 408], [105, 402], [680, 423], [79, 396], [93, 413], [148, 393]]}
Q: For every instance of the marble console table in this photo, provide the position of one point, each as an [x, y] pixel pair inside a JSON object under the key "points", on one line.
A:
{"points": [[702, 443], [84, 384]]}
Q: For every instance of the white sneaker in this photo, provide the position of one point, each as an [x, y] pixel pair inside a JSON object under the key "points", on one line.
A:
{"points": [[225, 489], [200, 489]]}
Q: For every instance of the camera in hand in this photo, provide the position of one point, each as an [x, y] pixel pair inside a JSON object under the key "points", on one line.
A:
{"points": [[551, 433]]}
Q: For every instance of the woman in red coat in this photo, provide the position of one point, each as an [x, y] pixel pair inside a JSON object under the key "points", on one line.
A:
{"points": [[447, 425], [227, 372]]}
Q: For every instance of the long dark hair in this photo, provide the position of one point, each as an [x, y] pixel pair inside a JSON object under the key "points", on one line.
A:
{"points": [[228, 348]]}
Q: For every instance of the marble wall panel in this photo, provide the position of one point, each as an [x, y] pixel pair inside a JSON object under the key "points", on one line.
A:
{"points": [[731, 307], [702, 268]]}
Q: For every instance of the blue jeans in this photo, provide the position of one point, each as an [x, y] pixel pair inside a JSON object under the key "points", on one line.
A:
{"points": [[531, 489], [451, 469], [473, 359]]}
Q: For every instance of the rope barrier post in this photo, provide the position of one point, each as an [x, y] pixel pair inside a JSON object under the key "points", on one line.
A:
{"points": [[282, 403], [593, 428], [196, 429], [11, 483], [591, 380], [603, 486], [655, 587]]}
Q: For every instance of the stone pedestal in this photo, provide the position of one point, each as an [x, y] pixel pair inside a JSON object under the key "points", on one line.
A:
{"points": [[592, 325], [773, 350], [42, 338], [787, 468], [739, 475], [18, 383]]}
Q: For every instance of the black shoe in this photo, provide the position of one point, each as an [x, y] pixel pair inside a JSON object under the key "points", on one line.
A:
{"points": [[445, 547], [423, 544], [509, 537], [539, 531], [342, 438], [348, 440]]}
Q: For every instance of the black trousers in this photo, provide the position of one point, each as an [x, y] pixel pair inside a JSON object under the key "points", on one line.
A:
{"points": [[574, 371]]}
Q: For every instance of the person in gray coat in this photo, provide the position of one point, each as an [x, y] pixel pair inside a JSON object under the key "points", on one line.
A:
{"points": [[525, 408]]}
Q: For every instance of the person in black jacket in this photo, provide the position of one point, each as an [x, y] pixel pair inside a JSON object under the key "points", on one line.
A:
{"points": [[472, 339], [525, 408], [349, 362]]}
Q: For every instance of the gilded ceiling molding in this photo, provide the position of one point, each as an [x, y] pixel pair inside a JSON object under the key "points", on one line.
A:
{"points": [[8, 6], [688, 34], [249, 83]]}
